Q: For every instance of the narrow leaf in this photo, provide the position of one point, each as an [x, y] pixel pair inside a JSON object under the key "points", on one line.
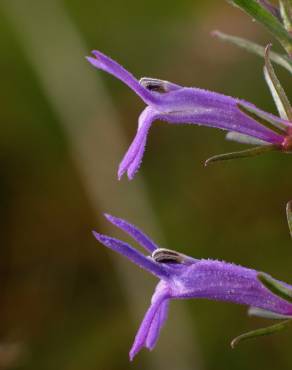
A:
{"points": [[260, 332], [244, 139], [271, 8], [286, 14], [289, 215], [275, 287], [241, 154], [264, 118], [263, 16], [254, 48], [277, 91], [259, 312]]}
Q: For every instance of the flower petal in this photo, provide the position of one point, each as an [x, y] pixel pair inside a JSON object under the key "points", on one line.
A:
{"points": [[160, 295], [217, 280], [156, 325], [133, 157], [134, 232], [108, 65], [223, 115], [133, 255]]}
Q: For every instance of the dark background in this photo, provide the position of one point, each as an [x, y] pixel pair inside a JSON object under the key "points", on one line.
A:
{"points": [[67, 302]]}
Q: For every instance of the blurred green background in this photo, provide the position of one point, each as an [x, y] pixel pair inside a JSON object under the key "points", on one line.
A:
{"points": [[67, 302]]}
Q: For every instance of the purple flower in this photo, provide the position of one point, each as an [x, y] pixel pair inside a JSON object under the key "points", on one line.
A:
{"points": [[175, 104], [183, 277]]}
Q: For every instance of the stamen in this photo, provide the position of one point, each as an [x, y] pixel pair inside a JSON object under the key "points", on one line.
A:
{"points": [[154, 84], [163, 255]]}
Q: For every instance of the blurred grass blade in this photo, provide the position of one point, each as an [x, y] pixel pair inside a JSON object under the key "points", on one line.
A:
{"points": [[289, 215], [259, 312], [286, 13], [264, 118], [260, 332], [55, 50], [277, 91], [263, 16], [244, 139], [275, 287], [254, 48], [241, 154]]}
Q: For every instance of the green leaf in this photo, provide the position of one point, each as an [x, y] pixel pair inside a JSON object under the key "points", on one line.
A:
{"points": [[286, 14], [271, 8], [275, 287], [260, 332], [241, 154], [263, 16], [289, 215], [244, 139], [264, 118], [277, 91], [254, 48], [259, 312]]}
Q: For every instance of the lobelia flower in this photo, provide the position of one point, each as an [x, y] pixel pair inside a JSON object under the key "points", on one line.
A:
{"points": [[183, 277], [175, 104]]}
